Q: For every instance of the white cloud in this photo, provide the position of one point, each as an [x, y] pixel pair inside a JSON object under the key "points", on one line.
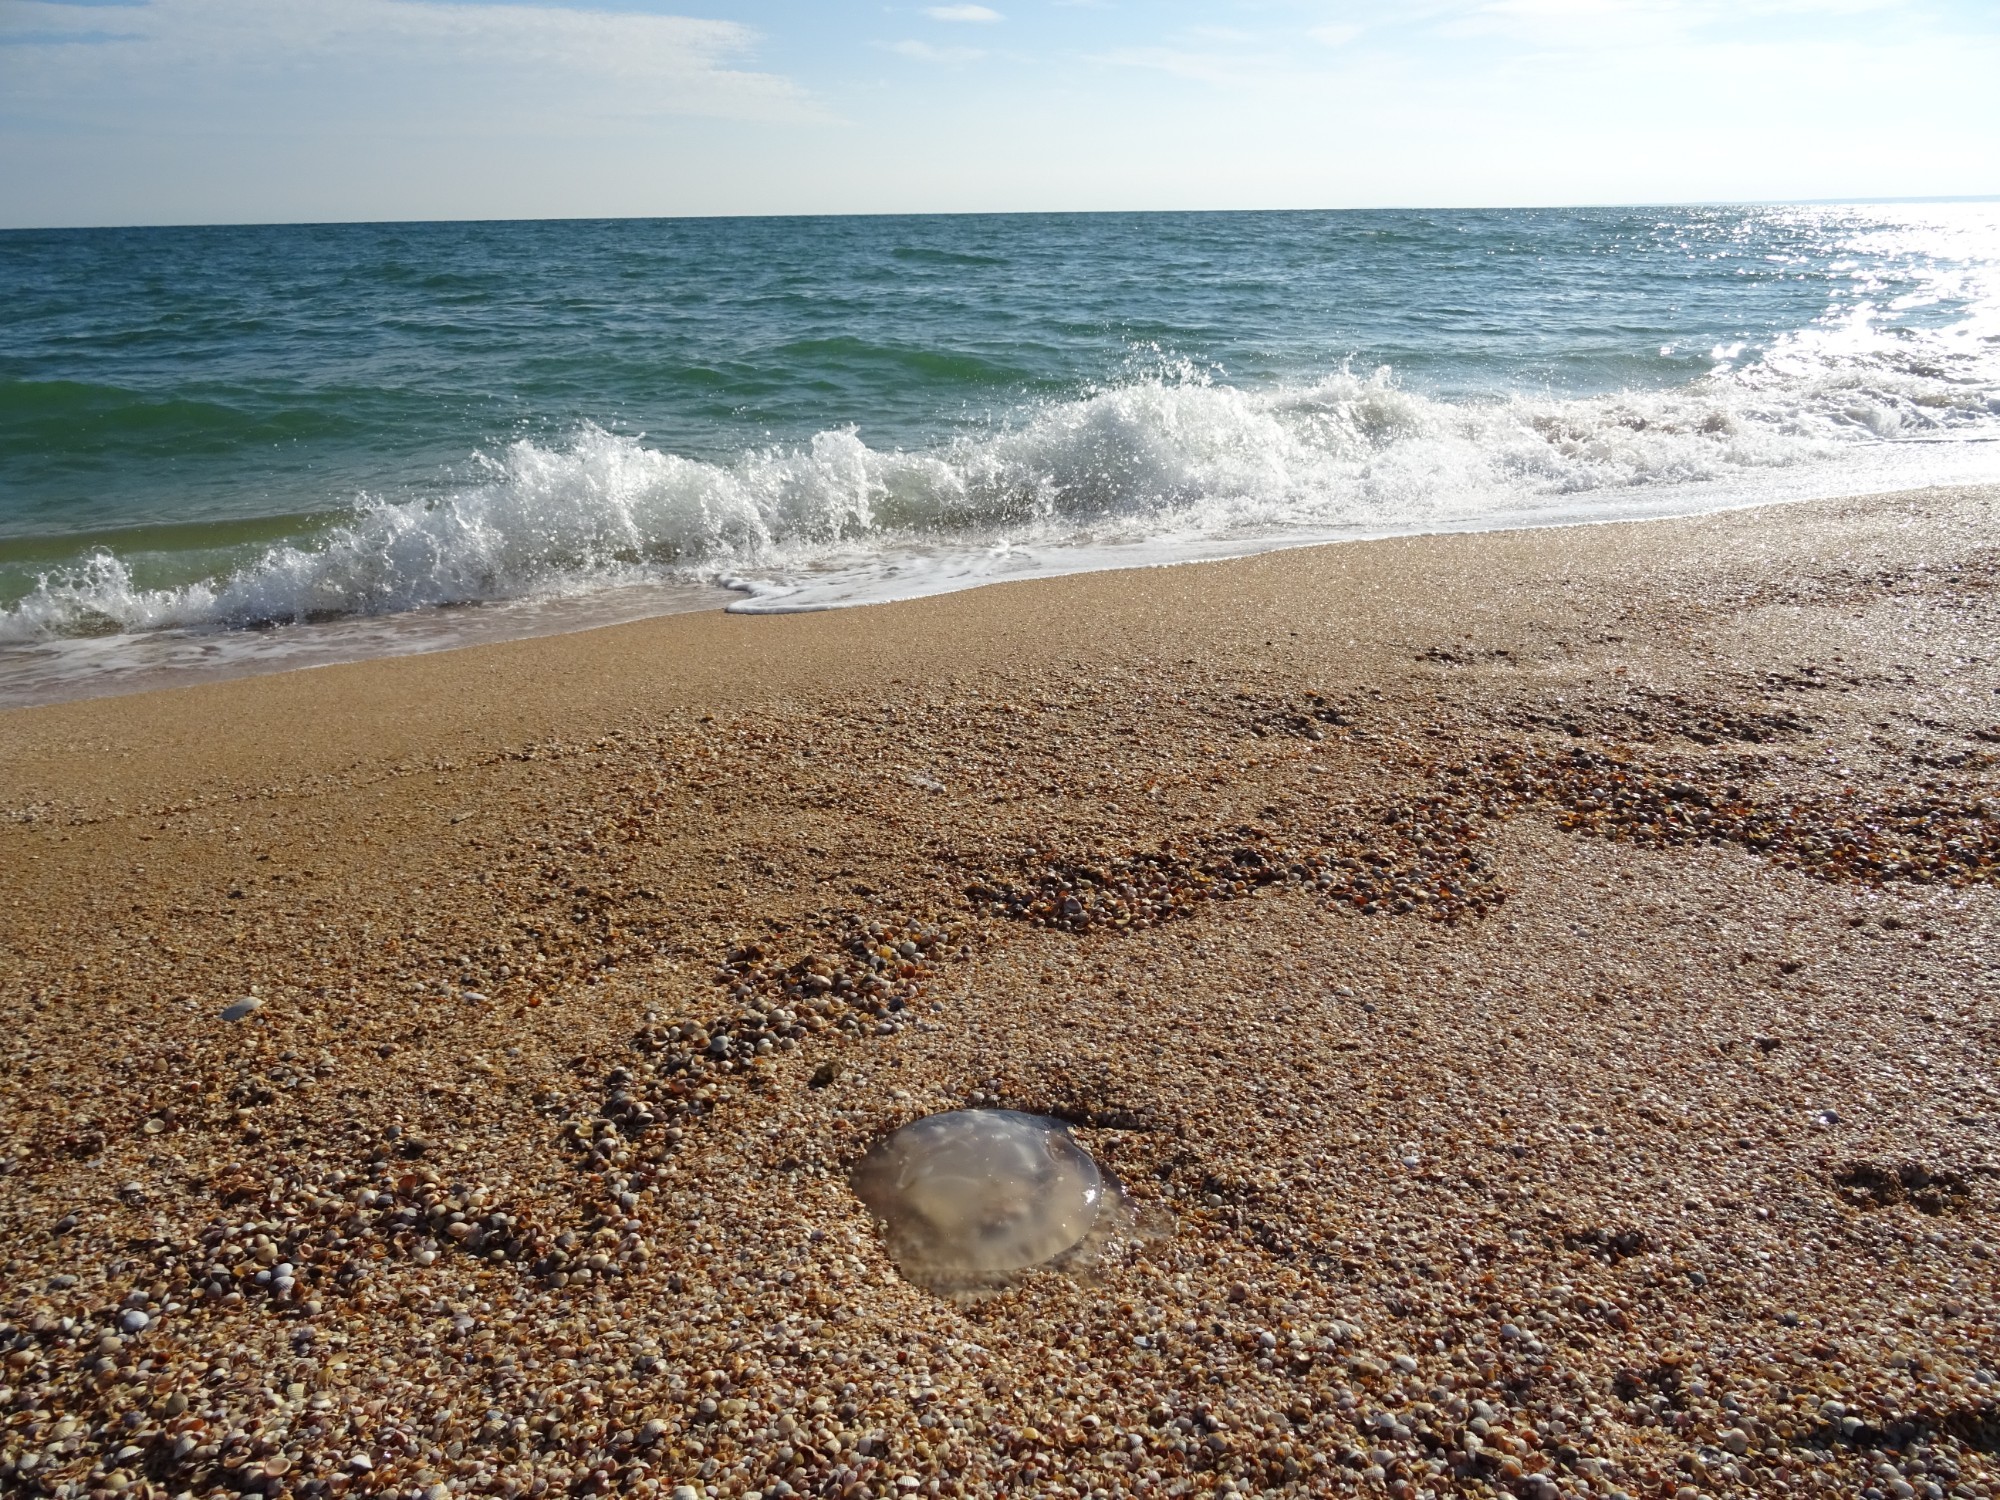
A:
{"points": [[1234, 70], [1334, 36], [205, 55], [925, 52], [979, 13], [1581, 24], [320, 109]]}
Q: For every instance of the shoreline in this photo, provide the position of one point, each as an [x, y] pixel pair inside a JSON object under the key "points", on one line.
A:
{"points": [[155, 661], [1461, 940]]}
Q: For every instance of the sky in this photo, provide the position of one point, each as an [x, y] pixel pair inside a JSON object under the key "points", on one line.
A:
{"points": [[202, 111]]}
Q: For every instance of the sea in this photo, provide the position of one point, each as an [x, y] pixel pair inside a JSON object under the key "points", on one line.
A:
{"points": [[241, 449]]}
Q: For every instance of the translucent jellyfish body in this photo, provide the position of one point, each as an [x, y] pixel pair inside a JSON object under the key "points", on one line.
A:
{"points": [[971, 1199]]}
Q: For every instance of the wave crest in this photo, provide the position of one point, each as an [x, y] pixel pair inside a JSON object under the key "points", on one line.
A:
{"points": [[1165, 457]]}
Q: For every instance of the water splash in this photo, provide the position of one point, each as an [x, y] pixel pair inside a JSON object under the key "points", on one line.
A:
{"points": [[1170, 460]]}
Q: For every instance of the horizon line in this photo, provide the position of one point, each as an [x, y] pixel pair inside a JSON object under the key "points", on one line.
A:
{"points": [[1858, 201]]}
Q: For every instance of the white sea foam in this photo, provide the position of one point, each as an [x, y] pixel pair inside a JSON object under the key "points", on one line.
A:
{"points": [[1151, 470]]}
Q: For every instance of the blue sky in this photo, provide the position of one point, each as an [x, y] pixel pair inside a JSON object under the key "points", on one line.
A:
{"points": [[172, 111]]}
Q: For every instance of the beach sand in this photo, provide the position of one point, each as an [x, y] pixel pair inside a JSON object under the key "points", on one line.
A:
{"points": [[1538, 989]]}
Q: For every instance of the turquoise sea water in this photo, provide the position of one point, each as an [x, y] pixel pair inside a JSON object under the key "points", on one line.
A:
{"points": [[245, 446]]}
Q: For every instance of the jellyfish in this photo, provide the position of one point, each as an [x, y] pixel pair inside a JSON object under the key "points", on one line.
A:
{"points": [[970, 1200]]}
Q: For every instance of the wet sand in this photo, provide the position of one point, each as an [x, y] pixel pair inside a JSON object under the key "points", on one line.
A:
{"points": [[1546, 981]]}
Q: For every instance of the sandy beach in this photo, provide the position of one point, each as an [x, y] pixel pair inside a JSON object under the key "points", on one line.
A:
{"points": [[1538, 990]]}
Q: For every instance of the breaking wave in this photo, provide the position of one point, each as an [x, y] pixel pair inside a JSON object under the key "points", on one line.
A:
{"points": [[1169, 462]]}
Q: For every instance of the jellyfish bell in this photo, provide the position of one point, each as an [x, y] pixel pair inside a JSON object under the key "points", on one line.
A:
{"points": [[971, 1199]]}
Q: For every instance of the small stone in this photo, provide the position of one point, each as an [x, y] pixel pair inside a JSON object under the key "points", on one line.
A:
{"points": [[248, 1005], [133, 1321]]}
